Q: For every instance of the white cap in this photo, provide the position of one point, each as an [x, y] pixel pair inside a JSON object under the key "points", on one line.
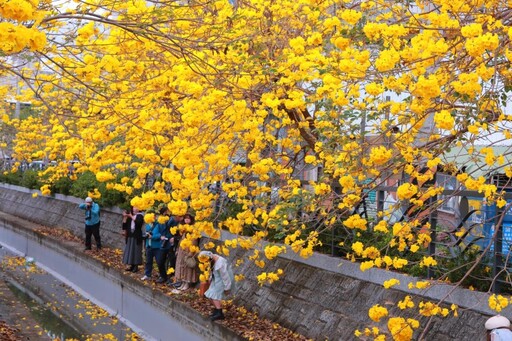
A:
{"points": [[497, 321], [207, 254], [88, 199]]}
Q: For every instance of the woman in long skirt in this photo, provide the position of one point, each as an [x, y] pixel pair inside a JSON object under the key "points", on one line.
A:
{"points": [[184, 273], [132, 254]]}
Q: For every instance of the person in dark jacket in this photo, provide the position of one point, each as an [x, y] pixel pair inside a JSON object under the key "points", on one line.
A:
{"points": [[158, 235], [133, 222], [166, 246]]}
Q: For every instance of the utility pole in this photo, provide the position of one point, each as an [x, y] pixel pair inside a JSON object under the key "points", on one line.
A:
{"points": [[17, 110]]}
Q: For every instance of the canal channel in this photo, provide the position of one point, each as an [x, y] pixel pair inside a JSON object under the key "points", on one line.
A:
{"points": [[60, 275]]}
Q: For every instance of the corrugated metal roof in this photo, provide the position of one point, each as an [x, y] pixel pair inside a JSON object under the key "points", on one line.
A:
{"points": [[471, 159]]}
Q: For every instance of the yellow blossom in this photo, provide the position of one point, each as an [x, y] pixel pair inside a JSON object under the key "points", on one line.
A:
{"points": [[377, 312], [391, 282]]}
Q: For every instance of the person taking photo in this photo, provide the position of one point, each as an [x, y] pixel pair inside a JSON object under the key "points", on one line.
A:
{"points": [[92, 222]]}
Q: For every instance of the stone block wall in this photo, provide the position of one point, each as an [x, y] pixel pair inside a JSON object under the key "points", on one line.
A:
{"points": [[330, 306], [324, 298], [59, 211]]}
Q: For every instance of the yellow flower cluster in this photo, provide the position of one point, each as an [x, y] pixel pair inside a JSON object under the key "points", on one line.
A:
{"points": [[402, 232], [374, 89], [104, 176], [380, 155], [366, 265], [444, 120], [14, 39], [475, 46], [221, 249], [162, 219], [149, 218], [19, 10], [432, 309], [358, 248], [45, 190], [377, 312], [427, 87], [406, 303], [454, 308], [381, 226], [419, 285], [356, 222], [406, 191], [428, 261], [467, 84], [374, 331], [321, 189], [471, 30], [402, 329], [391, 283], [269, 277], [498, 302], [371, 252], [350, 16], [272, 251], [388, 262]]}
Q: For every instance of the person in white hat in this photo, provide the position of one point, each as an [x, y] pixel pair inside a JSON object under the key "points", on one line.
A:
{"points": [[498, 329], [92, 222], [221, 282]]}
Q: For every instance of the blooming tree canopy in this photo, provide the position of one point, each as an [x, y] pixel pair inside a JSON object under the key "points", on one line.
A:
{"points": [[269, 119]]}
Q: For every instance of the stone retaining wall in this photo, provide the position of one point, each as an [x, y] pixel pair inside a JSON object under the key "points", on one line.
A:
{"points": [[323, 297], [59, 211]]}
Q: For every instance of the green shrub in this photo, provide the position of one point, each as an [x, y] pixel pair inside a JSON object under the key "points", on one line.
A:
{"points": [[86, 182], [456, 268], [110, 198], [62, 186], [11, 178], [30, 179]]}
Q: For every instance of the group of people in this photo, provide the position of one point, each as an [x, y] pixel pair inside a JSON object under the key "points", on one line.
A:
{"points": [[160, 246]]}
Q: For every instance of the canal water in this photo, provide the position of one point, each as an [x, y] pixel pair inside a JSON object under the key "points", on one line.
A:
{"points": [[55, 327], [58, 312]]}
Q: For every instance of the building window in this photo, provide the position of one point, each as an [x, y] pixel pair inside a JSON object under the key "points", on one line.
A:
{"points": [[448, 182]]}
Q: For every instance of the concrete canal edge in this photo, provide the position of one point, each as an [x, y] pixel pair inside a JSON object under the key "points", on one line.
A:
{"points": [[150, 313], [45, 303]]}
